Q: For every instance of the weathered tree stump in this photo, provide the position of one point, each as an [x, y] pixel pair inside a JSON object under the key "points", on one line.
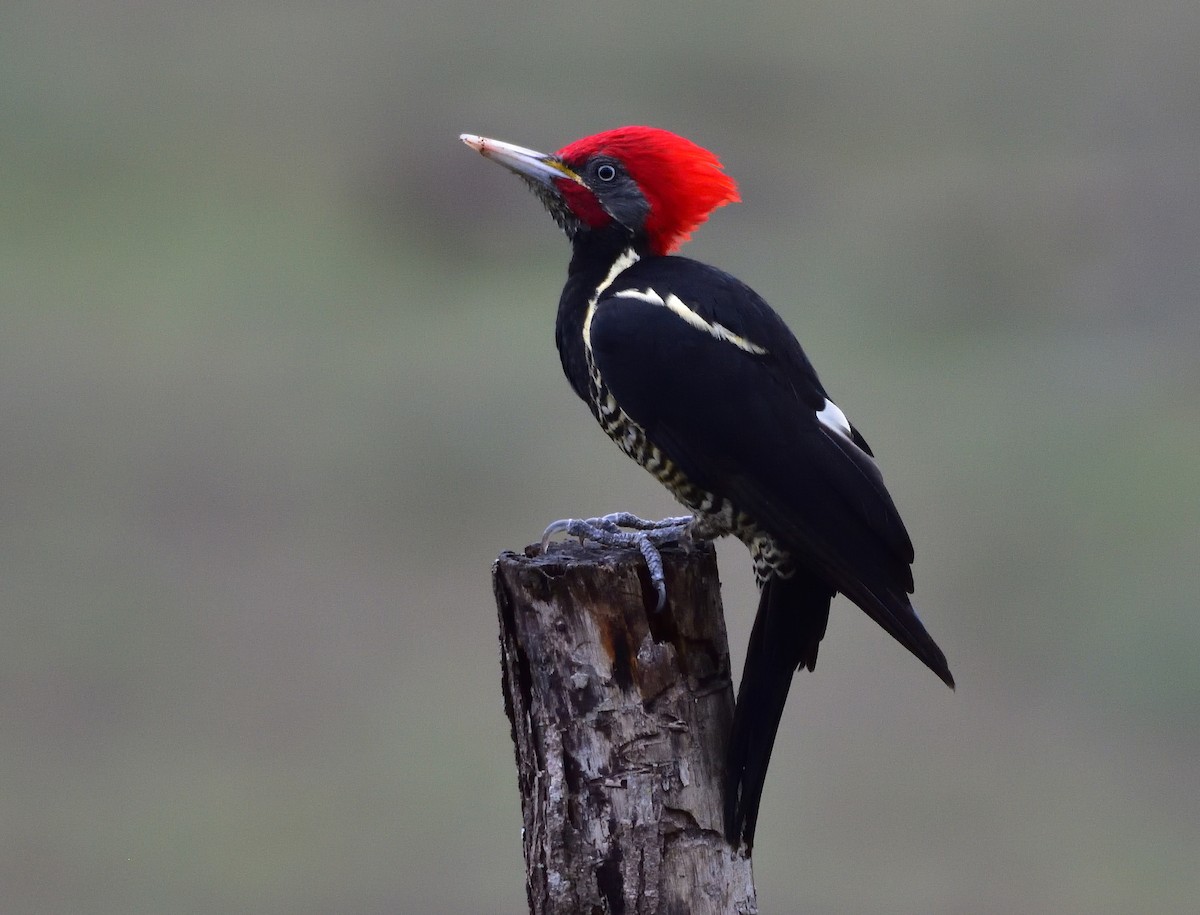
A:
{"points": [[620, 718]]}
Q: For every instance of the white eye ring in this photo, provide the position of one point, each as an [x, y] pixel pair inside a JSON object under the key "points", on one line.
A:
{"points": [[606, 172]]}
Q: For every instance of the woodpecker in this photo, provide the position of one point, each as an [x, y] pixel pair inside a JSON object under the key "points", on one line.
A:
{"points": [[697, 379]]}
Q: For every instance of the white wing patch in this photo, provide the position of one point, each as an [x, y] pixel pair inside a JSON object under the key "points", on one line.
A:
{"points": [[831, 417], [678, 307]]}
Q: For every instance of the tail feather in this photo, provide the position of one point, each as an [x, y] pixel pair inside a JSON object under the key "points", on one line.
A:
{"points": [[789, 626], [896, 614]]}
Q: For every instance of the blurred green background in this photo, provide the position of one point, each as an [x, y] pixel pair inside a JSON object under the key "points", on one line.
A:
{"points": [[278, 381]]}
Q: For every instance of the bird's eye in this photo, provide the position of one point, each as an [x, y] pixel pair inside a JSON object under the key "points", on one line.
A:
{"points": [[606, 172]]}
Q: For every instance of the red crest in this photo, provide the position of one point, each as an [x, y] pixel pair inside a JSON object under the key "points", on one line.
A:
{"points": [[682, 182]]}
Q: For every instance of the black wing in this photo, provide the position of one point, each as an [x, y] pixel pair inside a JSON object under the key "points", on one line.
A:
{"points": [[721, 385]]}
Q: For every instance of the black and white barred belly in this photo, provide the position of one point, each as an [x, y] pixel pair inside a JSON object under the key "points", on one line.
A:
{"points": [[719, 515]]}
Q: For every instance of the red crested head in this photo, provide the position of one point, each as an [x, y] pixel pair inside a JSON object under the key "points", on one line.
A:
{"points": [[672, 184]]}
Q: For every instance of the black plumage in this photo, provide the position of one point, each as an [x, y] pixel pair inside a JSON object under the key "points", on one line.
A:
{"points": [[741, 428], [701, 382]]}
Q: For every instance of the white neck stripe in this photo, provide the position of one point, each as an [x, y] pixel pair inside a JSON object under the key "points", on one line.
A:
{"points": [[624, 261]]}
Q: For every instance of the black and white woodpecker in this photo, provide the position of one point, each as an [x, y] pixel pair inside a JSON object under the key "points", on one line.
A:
{"points": [[695, 377]]}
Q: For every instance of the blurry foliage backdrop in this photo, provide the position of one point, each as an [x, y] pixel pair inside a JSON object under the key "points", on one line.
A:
{"points": [[278, 381]]}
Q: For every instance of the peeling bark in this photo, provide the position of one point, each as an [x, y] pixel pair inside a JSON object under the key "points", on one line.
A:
{"points": [[620, 717]]}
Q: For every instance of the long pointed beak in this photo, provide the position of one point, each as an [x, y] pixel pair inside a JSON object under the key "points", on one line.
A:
{"points": [[528, 163]]}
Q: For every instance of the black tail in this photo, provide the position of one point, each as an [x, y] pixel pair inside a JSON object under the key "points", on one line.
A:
{"points": [[792, 614]]}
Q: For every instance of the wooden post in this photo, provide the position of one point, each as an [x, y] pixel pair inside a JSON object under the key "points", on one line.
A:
{"points": [[620, 718]]}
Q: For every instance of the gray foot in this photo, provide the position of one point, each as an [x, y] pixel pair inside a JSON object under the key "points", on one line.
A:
{"points": [[647, 536]]}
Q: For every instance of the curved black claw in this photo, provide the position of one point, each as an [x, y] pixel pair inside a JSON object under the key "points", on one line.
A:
{"points": [[646, 535]]}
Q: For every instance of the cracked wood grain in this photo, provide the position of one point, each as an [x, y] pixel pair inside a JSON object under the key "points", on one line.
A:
{"points": [[620, 717]]}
